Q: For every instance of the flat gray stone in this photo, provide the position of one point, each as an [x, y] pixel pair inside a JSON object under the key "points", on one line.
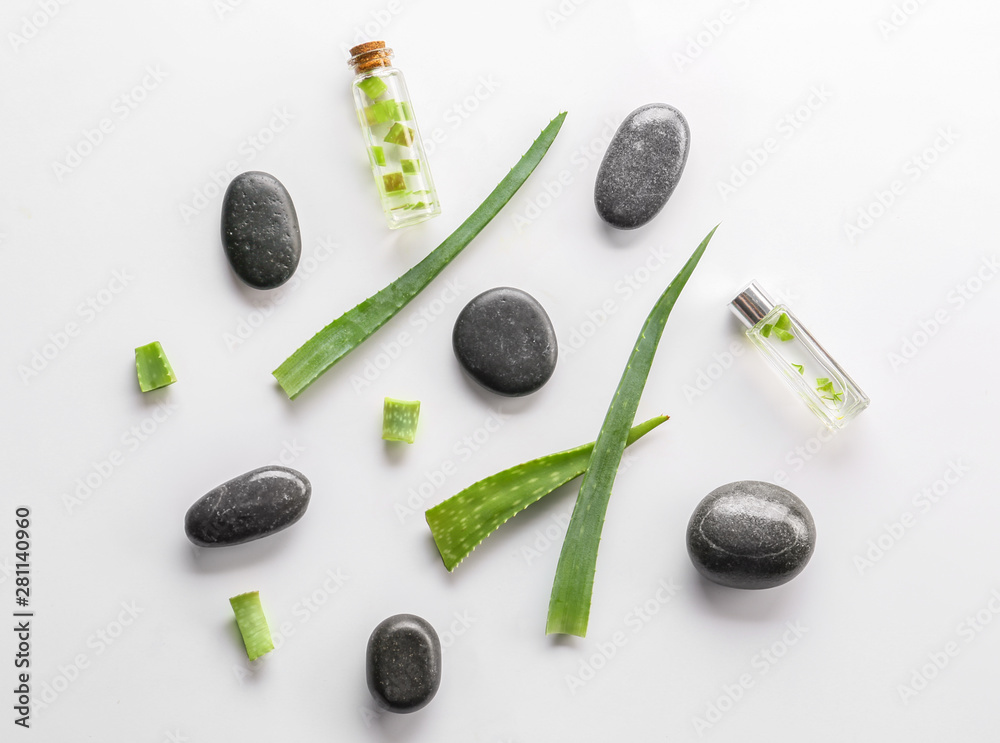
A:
{"points": [[751, 534], [253, 505], [505, 341], [642, 166], [260, 230], [403, 663]]}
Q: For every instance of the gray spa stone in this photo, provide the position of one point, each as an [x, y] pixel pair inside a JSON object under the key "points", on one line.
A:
{"points": [[260, 230], [253, 505], [505, 341], [641, 168], [403, 663], [751, 534]]}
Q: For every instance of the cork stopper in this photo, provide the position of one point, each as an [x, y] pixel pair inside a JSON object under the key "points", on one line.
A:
{"points": [[370, 55]]}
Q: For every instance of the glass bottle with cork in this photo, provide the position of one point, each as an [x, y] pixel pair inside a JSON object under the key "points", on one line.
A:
{"points": [[392, 138]]}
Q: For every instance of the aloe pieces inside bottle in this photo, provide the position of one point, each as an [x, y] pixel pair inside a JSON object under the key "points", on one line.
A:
{"points": [[355, 326]]}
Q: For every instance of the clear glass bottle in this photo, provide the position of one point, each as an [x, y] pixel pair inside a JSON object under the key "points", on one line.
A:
{"points": [[395, 150], [798, 358]]}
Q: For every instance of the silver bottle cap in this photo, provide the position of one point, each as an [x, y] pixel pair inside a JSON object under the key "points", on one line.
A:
{"points": [[752, 304]]}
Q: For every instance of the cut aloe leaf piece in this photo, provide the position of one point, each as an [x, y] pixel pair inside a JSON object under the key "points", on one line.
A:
{"points": [[766, 330], [400, 134], [462, 522], [784, 322], [569, 604], [378, 155], [405, 114], [399, 419], [410, 166], [799, 368], [252, 623], [394, 182], [152, 367], [382, 112], [358, 324], [373, 87], [782, 335]]}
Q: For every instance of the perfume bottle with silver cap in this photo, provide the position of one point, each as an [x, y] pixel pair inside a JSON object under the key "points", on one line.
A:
{"points": [[798, 358]]}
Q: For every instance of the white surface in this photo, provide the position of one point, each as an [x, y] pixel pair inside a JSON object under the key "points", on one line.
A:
{"points": [[178, 671]]}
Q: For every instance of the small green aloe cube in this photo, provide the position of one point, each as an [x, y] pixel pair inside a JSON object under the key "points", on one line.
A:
{"points": [[399, 419], [152, 367]]}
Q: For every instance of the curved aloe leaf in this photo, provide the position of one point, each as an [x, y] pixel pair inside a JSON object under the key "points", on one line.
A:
{"points": [[569, 605], [352, 328], [462, 522]]}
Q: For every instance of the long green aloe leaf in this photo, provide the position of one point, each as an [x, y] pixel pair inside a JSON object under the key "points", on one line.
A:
{"points": [[569, 605], [352, 328], [462, 522]]}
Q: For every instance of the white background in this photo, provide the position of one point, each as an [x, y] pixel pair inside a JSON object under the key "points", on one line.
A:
{"points": [[487, 77]]}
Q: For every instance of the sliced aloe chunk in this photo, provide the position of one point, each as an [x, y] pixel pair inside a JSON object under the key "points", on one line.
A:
{"points": [[252, 623], [399, 419], [401, 135], [410, 166], [372, 87], [152, 367], [378, 154]]}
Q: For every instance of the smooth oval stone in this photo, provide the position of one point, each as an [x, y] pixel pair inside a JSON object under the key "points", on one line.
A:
{"points": [[751, 534], [506, 342], [403, 663], [253, 505], [641, 168], [260, 230]]}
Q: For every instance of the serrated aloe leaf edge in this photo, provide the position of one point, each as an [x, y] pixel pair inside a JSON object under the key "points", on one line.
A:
{"points": [[461, 523], [572, 589], [356, 325]]}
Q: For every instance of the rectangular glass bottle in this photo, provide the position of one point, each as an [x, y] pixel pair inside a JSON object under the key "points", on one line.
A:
{"points": [[798, 358], [392, 137]]}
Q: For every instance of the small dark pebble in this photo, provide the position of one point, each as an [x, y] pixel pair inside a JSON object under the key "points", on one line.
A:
{"points": [[260, 230], [506, 342], [641, 168], [253, 505], [751, 534], [403, 663]]}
